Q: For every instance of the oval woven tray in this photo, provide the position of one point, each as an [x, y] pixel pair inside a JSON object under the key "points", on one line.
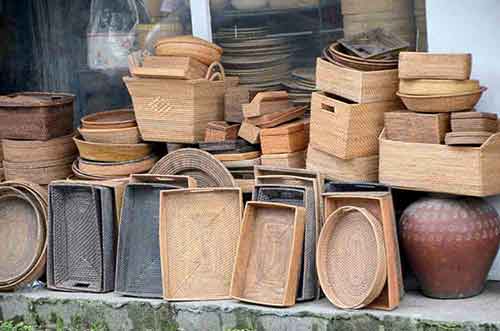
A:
{"points": [[112, 136], [202, 166], [437, 86], [112, 152], [351, 259]]}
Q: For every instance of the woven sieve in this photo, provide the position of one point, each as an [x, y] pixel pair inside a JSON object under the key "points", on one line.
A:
{"points": [[202, 166], [351, 258]]}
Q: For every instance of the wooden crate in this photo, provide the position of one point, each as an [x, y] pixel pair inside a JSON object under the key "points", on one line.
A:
{"points": [[362, 169], [416, 127], [286, 138], [355, 85], [175, 110], [269, 252], [380, 204], [439, 168], [286, 160], [347, 130]]}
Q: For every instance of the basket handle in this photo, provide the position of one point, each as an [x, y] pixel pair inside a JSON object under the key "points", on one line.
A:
{"points": [[212, 71], [215, 76]]}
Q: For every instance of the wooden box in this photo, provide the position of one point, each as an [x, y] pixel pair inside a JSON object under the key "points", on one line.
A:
{"points": [[361, 169], [249, 132], [355, 85], [474, 122], [286, 138], [269, 254], [381, 206], [439, 168], [417, 127], [347, 130], [286, 160], [221, 131]]}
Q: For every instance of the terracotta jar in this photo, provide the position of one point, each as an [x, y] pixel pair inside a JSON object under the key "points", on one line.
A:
{"points": [[450, 243]]}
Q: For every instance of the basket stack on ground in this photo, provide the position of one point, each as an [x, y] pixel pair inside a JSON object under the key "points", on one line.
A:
{"points": [[177, 92], [37, 136], [111, 147], [358, 88], [440, 97], [279, 126]]}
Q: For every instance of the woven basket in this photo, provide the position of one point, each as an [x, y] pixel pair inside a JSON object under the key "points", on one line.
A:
{"points": [[442, 103], [235, 97], [418, 128], [189, 46], [351, 259], [347, 130], [474, 121], [287, 138], [111, 119], [112, 136], [36, 151], [112, 152], [202, 166], [287, 160], [41, 173], [437, 86], [117, 169], [361, 169], [417, 65], [176, 111], [193, 267], [269, 252]]}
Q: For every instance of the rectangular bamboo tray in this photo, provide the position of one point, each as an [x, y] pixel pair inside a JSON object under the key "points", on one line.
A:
{"points": [[380, 204], [355, 85], [417, 65], [286, 138], [417, 127], [285, 160], [173, 110], [468, 171], [347, 130], [361, 169], [268, 257], [249, 132]]}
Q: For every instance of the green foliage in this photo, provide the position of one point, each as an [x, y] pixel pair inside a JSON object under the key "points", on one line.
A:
{"points": [[11, 326]]}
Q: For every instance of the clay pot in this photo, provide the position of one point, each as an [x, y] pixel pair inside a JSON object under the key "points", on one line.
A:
{"points": [[450, 243]]}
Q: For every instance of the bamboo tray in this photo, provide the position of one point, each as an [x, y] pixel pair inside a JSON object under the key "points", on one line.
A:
{"points": [[476, 138], [437, 86], [416, 65], [113, 119], [380, 205], [36, 151], [41, 173], [112, 152], [117, 169], [351, 259], [194, 268], [440, 168], [275, 119], [442, 103], [269, 250], [112, 136]]}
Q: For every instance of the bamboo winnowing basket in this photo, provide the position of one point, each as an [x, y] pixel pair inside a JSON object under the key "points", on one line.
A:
{"points": [[418, 65], [267, 266], [199, 231], [347, 130]]}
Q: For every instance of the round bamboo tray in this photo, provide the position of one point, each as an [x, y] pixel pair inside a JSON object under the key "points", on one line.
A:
{"points": [[112, 152], [35, 151], [437, 86], [442, 103], [113, 119], [117, 169], [41, 173], [112, 136], [358, 63], [189, 46], [202, 166], [351, 260]]}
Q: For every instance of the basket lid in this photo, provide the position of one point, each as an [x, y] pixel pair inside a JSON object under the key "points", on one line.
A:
{"points": [[351, 258], [35, 99], [284, 129]]}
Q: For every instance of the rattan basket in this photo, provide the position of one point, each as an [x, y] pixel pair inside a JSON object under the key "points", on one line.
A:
{"points": [[286, 160], [351, 260], [111, 119], [112, 136], [36, 151], [199, 231], [41, 173], [117, 169], [416, 65], [417, 127], [445, 103], [189, 46], [112, 152]]}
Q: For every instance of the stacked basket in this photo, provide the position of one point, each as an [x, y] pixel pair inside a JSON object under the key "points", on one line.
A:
{"points": [[110, 147]]}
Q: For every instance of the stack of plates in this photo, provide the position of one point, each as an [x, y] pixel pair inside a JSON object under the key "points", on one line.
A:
{"points": [[300, 85]]}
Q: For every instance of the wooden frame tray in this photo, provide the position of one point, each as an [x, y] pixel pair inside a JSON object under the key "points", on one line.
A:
{"points": [[269, 251]]}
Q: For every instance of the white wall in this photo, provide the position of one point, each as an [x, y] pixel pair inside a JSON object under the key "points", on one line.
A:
{"points": [[472, 27]]}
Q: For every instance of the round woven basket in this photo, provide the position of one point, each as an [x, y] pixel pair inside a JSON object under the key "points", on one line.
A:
{"points": [[112, 119], [36, 151], [78, 174], [112, 152], [202, 166], [117, 169], [199, 49], [41, 173], [112, 136], [351, 260]]}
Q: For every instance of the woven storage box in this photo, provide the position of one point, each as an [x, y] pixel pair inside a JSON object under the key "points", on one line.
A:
{"points": [[473, 122], [199, 231], [36, 151], [221, 131], [297, 196], [361, 169], [286, 160], [178, 111], [418, 128], [286, 138], [358, 86], [380, 205], [269, 251], [36, 116], [416, 65], [347, 130], [439, 168], [81, 238], [138, 267]]}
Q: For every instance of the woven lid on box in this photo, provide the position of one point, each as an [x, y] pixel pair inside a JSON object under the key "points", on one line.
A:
{"points": [[473, 115], [284, 129], [35, 99]]}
